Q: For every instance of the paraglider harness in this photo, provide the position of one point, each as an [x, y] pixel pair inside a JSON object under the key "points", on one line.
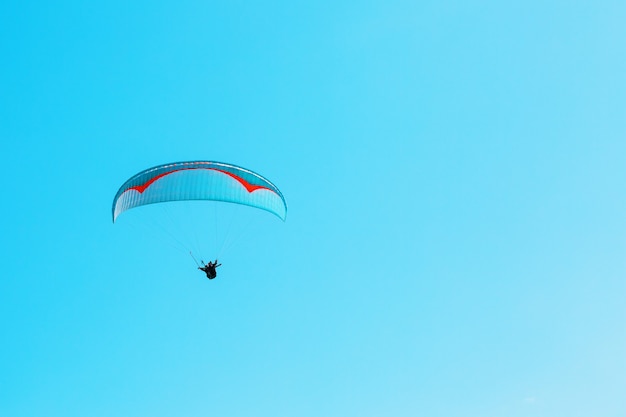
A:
{"points": [[209, 269]]}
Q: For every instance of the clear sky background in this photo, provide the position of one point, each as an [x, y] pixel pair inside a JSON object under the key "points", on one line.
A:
{"points": [[455, 243]]}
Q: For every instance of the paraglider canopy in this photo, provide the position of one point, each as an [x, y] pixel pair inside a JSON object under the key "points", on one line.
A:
{"points": [[199, 180]]}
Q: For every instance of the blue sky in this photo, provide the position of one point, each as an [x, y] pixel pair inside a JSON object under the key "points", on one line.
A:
{"points": [[455, 243]]}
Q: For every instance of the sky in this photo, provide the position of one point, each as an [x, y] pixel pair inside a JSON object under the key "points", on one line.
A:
{"points": [[455, 242]]}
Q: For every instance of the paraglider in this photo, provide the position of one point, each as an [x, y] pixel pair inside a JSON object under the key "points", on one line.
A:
{"points": [[199, 180], [209, 269]]}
